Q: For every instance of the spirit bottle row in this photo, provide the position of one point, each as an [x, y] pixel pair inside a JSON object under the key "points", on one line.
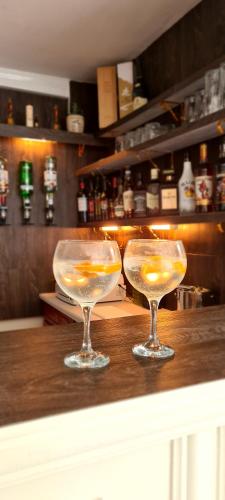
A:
{"points": [[124, 196], [26, 188]]}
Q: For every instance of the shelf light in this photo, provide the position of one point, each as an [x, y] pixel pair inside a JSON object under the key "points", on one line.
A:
{"points": [[107, 229], [160, 227], [36, 140], [128, 228]]}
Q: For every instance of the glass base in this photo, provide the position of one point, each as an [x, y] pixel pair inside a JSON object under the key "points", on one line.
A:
{"points": [[160, 352], [82, 360]]}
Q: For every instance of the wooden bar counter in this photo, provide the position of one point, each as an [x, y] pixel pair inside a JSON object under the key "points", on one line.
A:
{"points": [[74, 430]]}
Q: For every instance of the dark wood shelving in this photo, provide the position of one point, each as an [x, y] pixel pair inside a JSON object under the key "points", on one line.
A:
{"points": [[182, 137], [61, 136], [153, 109], [214, 217]]}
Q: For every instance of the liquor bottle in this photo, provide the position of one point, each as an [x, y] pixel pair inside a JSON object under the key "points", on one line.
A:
{"points": [[204, 182], [36, 122], [112, 195], [168, 190], [153, 193], [29, 111], [128, 195], [97, 199], [10, 118], [56, 125], [118, 204], [104, 201], [186, 188], [4, 189], [139, 198], [82, 202], [26, 188], [220, 179], [50, 187], [91, 202]]}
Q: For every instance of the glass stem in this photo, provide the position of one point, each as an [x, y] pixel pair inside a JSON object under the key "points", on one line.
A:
{"points": [[86, 345], [153, 339]]}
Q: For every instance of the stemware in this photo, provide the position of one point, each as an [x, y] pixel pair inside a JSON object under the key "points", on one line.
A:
{"points": [[154, 268], [86, 271]]}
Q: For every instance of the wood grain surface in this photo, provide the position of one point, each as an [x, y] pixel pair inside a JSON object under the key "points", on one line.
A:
{"points": [[35, 382], [193, 42]]}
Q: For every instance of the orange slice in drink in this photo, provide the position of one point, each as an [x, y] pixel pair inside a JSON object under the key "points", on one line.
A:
{"points": [[91, 270], [156, 270]]}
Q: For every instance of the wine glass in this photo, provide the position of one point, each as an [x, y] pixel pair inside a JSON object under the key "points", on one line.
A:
{"points": [[86, 271], [154, 268]]}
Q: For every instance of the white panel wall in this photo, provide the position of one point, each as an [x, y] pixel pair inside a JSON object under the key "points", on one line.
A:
{"points": [[149, 448], [34, 82]]}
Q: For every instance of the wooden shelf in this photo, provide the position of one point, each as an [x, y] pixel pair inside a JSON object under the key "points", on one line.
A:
{"points": [[214, 217], [182, 137], [60, 136], [153, 109]]}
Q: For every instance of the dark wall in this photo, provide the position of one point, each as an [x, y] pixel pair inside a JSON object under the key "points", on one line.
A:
{"points": [[26, 252], [26, 255], [193, 42], [85, 95], [43, 107]]}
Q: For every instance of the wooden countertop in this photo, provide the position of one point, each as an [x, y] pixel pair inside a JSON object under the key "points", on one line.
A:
{"points": [[35, 383], [102, 310]]}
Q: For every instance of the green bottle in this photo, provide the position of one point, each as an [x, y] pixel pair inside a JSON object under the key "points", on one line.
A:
{"points": [[26, 187]]}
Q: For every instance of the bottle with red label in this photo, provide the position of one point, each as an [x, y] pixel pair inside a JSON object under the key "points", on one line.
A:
{"points": [[97, 199], [91, 202], [82, 203], [220, 179], [204, 183], [4, 189], [104, 200]]}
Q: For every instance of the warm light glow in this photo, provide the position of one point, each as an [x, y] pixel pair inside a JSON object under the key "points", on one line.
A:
{"points": [[152, 277], [160, 226], [128, 228], [109, 228], [36, 140]]}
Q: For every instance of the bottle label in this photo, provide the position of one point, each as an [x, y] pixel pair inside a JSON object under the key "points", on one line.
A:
{"points": [[91, 206], [204, 190], [82, 204], [4, 181], [26, 187], [119, 211], [104, 205], [220, 188], [187, 195], [169, 199], [50, 179], [140, 203], [152, 201], [128, 200]]}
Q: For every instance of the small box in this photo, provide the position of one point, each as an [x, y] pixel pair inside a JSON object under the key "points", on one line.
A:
{"points": [[125, 87], [107, 95]]}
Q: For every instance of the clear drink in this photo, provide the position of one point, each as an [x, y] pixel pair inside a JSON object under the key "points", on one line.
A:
{"points": [[154, 268], [155, 276], [87, 271], [85, 281]]}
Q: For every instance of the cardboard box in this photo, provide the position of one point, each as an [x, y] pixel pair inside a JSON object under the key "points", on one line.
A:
{"points": [[107, 95], [125, 87]]}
